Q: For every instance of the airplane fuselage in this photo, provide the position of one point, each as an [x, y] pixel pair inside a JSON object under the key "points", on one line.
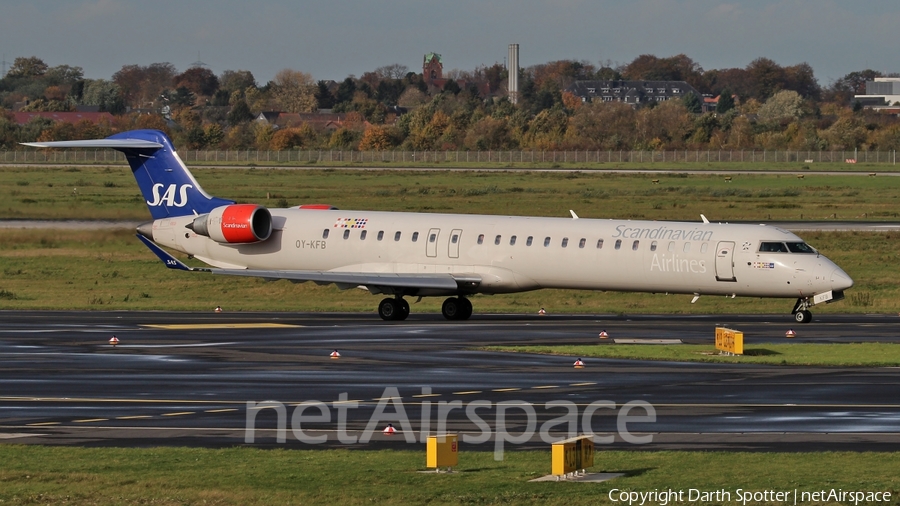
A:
{"points": [[514, 254]]}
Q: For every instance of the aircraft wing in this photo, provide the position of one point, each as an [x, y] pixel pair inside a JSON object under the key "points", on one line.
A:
{"points": [[97, 143], [376, 282]]}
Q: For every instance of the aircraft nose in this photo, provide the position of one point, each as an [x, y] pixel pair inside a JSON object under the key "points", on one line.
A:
{"points": [[840, 280]]}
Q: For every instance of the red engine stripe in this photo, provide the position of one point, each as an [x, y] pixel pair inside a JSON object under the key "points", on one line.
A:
{"points": [[237, 223]]}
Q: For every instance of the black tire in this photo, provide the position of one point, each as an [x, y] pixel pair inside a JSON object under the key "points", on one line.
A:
{"points": [[451, 309], [466, 308], [389, 310], [803, 316], [404, 309]]}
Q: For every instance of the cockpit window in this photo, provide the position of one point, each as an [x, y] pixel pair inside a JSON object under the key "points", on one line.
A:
{"points": [[800, 247], [772, 247]]}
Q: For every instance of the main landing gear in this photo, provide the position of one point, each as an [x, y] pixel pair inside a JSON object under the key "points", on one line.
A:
{"points": [[393, 309], [454, 308], [457, 308], [801, 311]]}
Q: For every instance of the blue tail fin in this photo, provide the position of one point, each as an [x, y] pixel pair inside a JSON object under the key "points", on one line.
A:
{"points": [[168, 187]]}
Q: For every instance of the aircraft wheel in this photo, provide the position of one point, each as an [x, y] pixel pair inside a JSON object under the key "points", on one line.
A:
{"points": [[404, 309], [389, 310], [803, 316], [451, 309], [466, 308]]}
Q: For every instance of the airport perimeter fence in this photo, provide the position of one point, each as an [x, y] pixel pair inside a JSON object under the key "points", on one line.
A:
{"points": [[555, 158]]}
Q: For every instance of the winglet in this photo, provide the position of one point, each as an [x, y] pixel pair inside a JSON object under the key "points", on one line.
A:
{"points": [[574, 216], [170, 261]]}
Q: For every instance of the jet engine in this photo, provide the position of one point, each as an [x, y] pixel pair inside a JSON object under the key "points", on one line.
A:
{"points": [[235, 224]]}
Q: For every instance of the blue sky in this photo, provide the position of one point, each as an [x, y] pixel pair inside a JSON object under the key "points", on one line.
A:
{"points": [[332, 39]]}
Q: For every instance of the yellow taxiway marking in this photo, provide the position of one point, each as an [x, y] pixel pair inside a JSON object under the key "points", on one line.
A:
{"points": [[386, 398], [179, 413], [544, 387], [42, 423], [505, 389], [427, 395], [135, 417], [348, 401], [91, 420], [220, 410], [207, 326], [467, 392], [582, 384]]}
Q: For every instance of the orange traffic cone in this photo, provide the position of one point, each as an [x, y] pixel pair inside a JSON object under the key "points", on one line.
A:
{"points": [[603, 334], [579, 364], [389, 430], [335, 355], [790, 333], [114, 341]]}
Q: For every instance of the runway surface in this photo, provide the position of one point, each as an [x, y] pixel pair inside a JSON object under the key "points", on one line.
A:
{"points": [[187, 379]]}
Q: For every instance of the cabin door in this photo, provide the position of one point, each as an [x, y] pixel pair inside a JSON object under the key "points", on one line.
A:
{"points": [[725, 261], [455, 237], [431, 245]]}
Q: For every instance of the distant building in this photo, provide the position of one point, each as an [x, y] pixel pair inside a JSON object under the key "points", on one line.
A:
{"points": [[881, 94], [433, 70], [318, 121], [634, 93]]}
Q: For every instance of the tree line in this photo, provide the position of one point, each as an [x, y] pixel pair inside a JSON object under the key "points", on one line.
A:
{"points": [[762, 106]]}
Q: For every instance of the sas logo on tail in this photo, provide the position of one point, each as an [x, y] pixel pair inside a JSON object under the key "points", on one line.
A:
{"points": [[168, 198]]}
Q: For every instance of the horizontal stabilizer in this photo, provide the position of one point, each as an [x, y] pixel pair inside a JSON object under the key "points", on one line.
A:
{"points": [[170, 261], [98, 143]]}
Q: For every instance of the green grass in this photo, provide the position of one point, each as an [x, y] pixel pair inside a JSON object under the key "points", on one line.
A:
{"points": [[246, 476], [846, 355], [112, 270], [84, 192]]}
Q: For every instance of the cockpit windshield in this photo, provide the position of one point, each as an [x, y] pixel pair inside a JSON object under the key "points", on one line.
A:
{"points": [[800, 247], [790, 247]]}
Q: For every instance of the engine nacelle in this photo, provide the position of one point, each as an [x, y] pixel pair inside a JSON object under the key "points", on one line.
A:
{"points": [[235, 224]]}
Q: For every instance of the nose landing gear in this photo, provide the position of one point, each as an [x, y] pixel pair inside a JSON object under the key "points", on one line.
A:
{"points": [[801, 310]]}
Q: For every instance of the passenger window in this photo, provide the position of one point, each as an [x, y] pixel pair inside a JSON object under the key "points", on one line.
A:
{"points": [[653, 246], [634, 245], [415, 236], [480, 238], [347, 233], [618, 243], [599, 243], [455, 238], [687, 247], [565, 242], [672, 246], [582, 242], [380, 235], [546, 242], [432, 237], [512, 241], [529, 240], [362, 235], [397, 236], [704, 247], [325, 234], [497, 240]]}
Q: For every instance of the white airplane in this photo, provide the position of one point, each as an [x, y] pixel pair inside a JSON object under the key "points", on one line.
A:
{"points": [[459, 255]]}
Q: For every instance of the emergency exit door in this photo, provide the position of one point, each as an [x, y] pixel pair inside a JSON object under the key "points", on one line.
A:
{"points": [[725, 262], [431, 245]]}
